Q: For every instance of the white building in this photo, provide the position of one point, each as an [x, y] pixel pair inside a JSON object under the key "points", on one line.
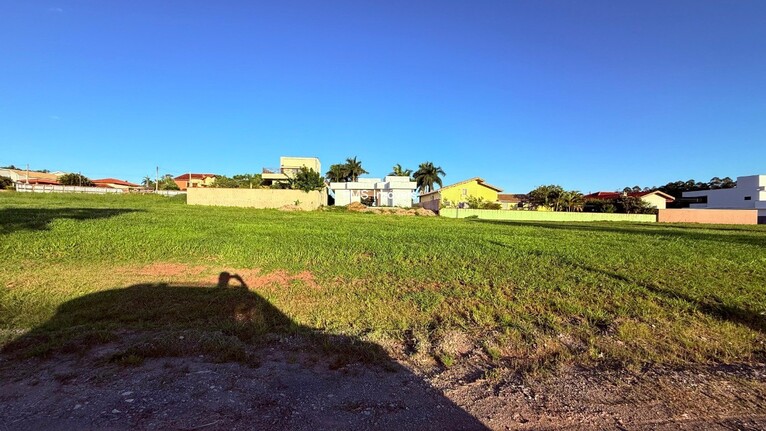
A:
{"points": [[750, 193], [392, 191]]}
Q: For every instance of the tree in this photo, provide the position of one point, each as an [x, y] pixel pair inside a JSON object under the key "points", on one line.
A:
{"points": [[9, 167], [75, 180], [633, 205], [239, 181], [354, 168], [147, 182], [307, 179], [167, 183], [546, 196], [571, 200], [400, 172], [337, 173], [5, 183], [427, 175]]}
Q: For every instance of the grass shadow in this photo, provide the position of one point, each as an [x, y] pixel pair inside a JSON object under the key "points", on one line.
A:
{"points": [[19, 219], [234, 324], [710, 305], [744, 235]]}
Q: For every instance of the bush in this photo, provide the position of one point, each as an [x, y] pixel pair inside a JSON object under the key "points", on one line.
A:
{"points": [[5, 183], [75, 180], [307, 179]]}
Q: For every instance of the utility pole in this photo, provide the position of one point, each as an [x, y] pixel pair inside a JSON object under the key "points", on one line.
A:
{"points": [[27, 173], [157, 180]]}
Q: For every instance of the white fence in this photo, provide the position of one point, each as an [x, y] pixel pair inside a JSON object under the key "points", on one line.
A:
{"points": [[47, 188]]}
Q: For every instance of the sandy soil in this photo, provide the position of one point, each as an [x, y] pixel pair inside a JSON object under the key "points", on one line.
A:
{"points": [[292, 389]]}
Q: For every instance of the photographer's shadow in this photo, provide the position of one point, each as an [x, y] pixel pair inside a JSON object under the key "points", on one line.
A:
{"points": [[349, 383]]}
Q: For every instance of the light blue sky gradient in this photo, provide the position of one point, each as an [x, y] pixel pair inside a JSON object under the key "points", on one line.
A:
{"points": [[589, 95]]}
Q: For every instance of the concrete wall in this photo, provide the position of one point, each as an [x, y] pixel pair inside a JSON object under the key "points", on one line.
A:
{"points": [[544, 215], [255, 198], [752, 187], [713, 216]]}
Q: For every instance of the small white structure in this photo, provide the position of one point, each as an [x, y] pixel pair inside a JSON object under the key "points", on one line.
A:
{"points": [[392, 191], [750, 193]]}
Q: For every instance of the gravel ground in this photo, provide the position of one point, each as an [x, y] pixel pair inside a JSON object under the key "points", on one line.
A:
{"points": [[292, 389]]}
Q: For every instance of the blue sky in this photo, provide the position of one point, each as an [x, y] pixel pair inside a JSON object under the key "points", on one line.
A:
{"points": [[589, 95]]}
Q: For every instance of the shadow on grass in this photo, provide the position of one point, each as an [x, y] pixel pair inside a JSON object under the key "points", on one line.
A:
{"points": [[710, 305], [743, 235], [18, 219], [234, 324]]}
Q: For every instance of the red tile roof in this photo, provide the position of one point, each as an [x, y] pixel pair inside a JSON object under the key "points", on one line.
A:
{"points": [[615, 195], [194, 176], [105, 181]]}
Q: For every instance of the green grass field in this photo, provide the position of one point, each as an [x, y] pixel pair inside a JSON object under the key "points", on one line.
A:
{"points": [[530, 294]]}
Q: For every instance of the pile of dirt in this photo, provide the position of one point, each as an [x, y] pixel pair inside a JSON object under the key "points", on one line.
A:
{"points": [[356, 206], [424, 212]]}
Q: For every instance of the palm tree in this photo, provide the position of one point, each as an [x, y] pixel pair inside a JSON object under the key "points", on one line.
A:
{"points": [[147, 182], [400, 172], [337, 173], [427, 175], [354, 168]]}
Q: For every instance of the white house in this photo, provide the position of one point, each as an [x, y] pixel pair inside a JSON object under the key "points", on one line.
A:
{"points": [[391, 191], [750, 193]]}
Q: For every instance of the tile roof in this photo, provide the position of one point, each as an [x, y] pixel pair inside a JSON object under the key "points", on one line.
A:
{"points": [[105, 181]]}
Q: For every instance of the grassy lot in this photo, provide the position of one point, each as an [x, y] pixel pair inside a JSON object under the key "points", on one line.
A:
{"points": [[88, 269]]}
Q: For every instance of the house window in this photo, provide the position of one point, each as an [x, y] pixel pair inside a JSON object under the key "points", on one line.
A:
{"points": [[747, 198]]}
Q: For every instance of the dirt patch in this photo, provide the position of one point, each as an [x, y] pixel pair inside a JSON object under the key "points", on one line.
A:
{"points": [[164, 270], [256, 279], [291, 387], [253, 278], [358, 207]]}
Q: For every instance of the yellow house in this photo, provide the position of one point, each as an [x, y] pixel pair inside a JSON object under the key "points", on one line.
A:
{"points": [[288, 166], [458, 193], [190, 180]]}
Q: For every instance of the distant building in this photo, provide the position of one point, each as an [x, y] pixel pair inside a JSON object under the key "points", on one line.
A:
{"points": [[457, 194], [655, 199], [510, 201], [113, 183], [31, 177], [750, 193], [190, 180], [392, 191], [288, 167]]}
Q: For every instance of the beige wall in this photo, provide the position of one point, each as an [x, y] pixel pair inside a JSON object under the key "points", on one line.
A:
{"points": [[255, 198], [655, 201], [712, 216]]}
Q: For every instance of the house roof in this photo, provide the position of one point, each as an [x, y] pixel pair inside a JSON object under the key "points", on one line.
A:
{"points": [[105, 181], [615, 195], [34, 174], [43, 181], [511, 198], [194, 176], [477, 179]]}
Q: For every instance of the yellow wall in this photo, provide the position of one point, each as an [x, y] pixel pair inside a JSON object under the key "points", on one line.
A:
{"points": [[255, 198], [456, 193]]}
